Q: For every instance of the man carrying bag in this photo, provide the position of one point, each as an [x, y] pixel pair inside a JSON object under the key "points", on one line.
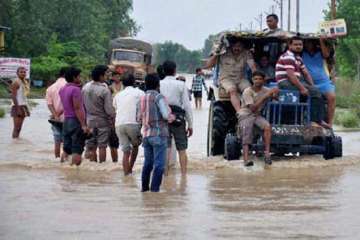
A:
{"points": [[177, 96]]}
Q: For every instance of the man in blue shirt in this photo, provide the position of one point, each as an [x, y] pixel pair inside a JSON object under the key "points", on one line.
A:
{"points": [[314, 58]]}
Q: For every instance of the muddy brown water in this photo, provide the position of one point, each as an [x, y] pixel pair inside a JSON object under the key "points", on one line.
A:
{"points": [[297, 198]]}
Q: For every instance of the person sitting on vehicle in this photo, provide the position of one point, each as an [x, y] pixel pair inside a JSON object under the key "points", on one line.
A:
{"points": [[289, 70], [253, 100], [272, 21], [265, 67], [232, 70], [314, 58]]}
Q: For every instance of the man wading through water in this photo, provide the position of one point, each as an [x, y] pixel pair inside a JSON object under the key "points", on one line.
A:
{"points": [[176, 94], [20, 88], [128, 129], [75, 128], [115, 85], [197, 86], [154, 114], [56, 109], [99, 112]]}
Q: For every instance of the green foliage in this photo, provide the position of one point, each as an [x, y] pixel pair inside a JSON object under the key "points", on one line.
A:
{"points": [[347, 52], [346, 118], [2, 112], [186, 60], [208, 44], [342, 101], [4, 91], [64, 32], [348, 94]]}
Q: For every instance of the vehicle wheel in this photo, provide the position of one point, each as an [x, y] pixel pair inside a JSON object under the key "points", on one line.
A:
{"points": [[337, 146], [232, 147], [217, 129], [333, 147], [328, 153]]}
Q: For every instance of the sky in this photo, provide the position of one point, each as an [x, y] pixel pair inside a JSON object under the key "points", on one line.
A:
{"points": [[189, 22]]}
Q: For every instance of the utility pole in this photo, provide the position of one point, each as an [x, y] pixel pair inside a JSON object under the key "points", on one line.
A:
{"points": [[272, 9], [333, 9], [280, 3], [297, 15], [240, 27], [281, 13], [260, 21], [289, 15], [251, 26]]}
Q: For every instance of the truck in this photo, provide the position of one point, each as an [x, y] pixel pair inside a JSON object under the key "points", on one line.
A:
{"points": [[131, 55], [292, 132]]}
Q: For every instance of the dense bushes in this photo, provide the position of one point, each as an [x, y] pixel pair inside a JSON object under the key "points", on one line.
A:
{"points": [[2, 112], [348, 102]]}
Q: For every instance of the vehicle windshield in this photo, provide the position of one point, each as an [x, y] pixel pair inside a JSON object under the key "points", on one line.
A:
{"points": [[128, 56]]}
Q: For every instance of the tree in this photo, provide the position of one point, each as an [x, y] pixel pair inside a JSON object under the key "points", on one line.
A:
{"points": [[186, 60], [208, 44], [86, 26], [348, 54]]}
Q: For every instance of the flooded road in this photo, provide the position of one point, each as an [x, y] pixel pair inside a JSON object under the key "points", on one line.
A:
{"points": [[301, 198]]}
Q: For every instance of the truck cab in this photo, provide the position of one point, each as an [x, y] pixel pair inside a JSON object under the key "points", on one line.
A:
{"points": [[132, 56]]}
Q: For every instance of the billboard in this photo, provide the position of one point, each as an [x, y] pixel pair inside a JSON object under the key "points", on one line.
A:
{"points": [[9, 66], [333, 28]]}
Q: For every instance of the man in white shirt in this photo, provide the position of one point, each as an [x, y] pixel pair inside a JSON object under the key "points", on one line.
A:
{"points": [[128, 129], [177, 97]]}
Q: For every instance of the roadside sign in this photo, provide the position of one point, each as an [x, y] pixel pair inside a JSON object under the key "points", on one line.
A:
{"points": [[9, 66], [333, 28]]}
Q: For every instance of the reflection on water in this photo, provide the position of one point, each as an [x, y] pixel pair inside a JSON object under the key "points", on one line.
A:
{"points": [[301, 198]]}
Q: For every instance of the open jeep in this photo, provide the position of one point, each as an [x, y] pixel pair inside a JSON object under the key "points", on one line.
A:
{"points": [[292, 132]]}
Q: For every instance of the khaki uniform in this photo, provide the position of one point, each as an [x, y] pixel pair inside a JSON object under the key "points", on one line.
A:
{"points": [[232, 73]]}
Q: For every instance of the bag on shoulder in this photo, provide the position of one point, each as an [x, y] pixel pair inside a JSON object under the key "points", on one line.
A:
{"points": [[179, 115]]}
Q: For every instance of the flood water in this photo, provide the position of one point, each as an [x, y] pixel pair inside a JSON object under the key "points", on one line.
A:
{"points": [[297, 198]]}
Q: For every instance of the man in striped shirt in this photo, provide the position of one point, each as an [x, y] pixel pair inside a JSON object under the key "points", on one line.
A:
{"points": [[290, 72]]}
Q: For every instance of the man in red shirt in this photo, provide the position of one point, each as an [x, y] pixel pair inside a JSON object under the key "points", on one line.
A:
{"points": [[292, 74]]}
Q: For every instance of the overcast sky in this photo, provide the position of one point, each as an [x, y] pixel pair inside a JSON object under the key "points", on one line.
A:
{"points": [[189, 22]]}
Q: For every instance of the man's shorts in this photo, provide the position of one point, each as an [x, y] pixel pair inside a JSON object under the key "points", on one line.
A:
{"points": [[239, 85], [74, 139], [326, 87], [247, 124], [57, 133], [129, 136], [180, 137], [100, 138], [197, 94], [113, 139]]}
